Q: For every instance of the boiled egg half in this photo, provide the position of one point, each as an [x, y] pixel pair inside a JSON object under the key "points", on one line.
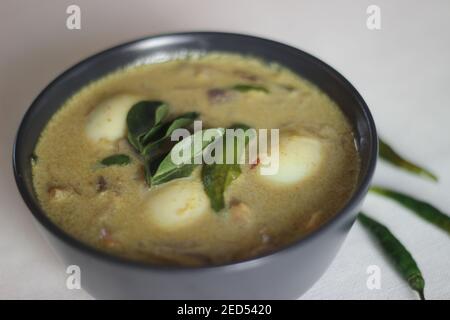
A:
{"points": [[177, 204], [107, 121], [298, 158]]}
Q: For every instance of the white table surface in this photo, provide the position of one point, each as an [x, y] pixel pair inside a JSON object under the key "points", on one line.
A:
{"points": [[402, 70]]}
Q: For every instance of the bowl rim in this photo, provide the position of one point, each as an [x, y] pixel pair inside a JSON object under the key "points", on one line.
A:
{"points": [[71, 241]]}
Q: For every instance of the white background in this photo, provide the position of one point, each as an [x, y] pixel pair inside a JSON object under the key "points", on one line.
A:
{"points": [[402, 70]]}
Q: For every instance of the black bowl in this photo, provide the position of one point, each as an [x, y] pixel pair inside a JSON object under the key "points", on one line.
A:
{"points": [[286, 273]]}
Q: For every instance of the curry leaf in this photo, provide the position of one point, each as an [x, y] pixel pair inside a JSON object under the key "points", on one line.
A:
{"points": [[153, 133], [151, 165], [143, 120], [191, 148], [116, 159], [161, 112], [216, 178], [182, 121], [179, 122], [182, 171]]}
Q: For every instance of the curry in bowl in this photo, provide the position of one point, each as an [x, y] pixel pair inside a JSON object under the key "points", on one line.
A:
{"points": [[100, 166]]}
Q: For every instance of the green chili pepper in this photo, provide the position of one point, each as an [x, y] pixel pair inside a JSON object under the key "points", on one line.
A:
{"points": [[390, 155], [423, 209], [398, 254]]}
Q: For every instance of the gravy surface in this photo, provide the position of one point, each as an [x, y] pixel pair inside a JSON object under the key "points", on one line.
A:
{"points": [[112, 209]]}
